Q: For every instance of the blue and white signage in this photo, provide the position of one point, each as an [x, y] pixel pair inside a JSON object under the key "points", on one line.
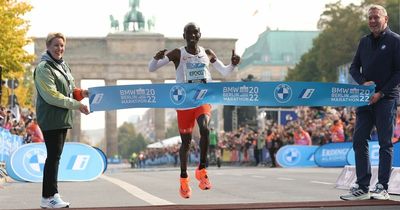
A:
{"points": [[287, 116], [103, 156], [396, 154], [184, 95], [373, 154], [79, 162], [8, 144], [296, 156], [333, 154]]}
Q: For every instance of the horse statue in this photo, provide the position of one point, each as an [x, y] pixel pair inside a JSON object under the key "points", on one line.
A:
{"points": [[134, 16], [114, 23]]}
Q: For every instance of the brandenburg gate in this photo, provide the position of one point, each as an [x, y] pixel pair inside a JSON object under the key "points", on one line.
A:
{"points": [[124, 56]]}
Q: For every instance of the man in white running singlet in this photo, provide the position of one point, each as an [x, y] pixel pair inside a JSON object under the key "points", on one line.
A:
{"points": [[192, 66]]}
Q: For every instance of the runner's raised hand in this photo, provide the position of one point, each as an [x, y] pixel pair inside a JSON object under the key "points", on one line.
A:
{"points": [[235, 59]]}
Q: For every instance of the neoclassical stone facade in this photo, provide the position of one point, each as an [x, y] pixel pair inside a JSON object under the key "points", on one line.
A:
{"points": [[124, 56]]}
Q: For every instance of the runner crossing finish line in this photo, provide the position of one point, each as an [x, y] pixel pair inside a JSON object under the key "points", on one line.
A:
{"points": [[187, 95]]}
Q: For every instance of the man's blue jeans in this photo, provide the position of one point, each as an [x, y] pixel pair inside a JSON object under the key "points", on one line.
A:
{"points": [[382, 115]]}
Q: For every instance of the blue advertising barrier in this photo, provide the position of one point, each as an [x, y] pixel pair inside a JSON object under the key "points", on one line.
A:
{"points": [[183, 95], [396, 154], [8, 144], [333, 154], [296, 156], [104, 157], [79, 162], [373, 154]]}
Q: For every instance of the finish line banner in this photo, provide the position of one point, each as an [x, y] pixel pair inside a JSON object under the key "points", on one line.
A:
{"points": [[186, 95]]}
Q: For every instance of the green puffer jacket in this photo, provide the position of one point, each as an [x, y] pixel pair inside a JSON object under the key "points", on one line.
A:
{"points": [[54, 102]]}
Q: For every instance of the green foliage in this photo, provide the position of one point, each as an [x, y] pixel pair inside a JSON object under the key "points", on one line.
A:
{"points": [[129, 141], [13, 57], [13, 30], [341, 28], [306, 70]]}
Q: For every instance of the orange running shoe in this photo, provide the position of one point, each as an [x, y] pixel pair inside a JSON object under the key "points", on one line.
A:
{"points": [[201, 175], [185, 191]]}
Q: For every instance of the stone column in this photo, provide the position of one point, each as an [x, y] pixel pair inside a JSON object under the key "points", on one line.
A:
{"points": [[159, 123], [111, 135], [220, 113], [159, 119], [76, 128]]}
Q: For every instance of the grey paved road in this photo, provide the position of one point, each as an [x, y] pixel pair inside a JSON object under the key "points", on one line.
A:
{"points": [[121, 186]]}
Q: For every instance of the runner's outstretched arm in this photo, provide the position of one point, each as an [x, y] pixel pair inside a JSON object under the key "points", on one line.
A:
{"points": [[224, 70]]}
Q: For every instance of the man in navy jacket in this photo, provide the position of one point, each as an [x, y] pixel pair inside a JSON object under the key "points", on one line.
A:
{"points": [[376, 62]]}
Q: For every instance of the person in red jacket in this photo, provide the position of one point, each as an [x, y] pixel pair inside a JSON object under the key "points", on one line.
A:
{"points": [[34, 131]]}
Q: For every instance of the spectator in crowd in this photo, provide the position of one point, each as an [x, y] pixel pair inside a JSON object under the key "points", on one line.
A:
{"points": [[57, 97], [142, 158], [258, 151], [337, 131], [396, 135], [301, 137], [273, 142], [34, 132], [248, 142], [213, 145], [133, 160]]}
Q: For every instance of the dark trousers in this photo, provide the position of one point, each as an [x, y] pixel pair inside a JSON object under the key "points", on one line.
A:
{"points": [[257, 155], [272, 152], [383, 115], [54, 140]]}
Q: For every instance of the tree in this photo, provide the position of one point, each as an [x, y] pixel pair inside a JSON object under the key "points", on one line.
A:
{"points": [[129, 141], [341, 28], [13, 30], [13, 57], [306, 70]]}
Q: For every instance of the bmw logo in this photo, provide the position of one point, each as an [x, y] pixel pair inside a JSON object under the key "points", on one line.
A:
{"points": [[33, 162], [283, 93], [177, 94], [291, 156]]}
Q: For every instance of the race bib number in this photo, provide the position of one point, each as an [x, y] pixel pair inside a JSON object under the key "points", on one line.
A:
{"points": [[195, 71]]}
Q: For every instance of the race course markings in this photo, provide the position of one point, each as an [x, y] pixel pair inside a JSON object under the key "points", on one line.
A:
{"points": [[286, 179], [137, 192], [318, 182]]}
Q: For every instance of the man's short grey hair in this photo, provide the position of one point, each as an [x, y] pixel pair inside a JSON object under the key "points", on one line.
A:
{"points": [[382, 10]]}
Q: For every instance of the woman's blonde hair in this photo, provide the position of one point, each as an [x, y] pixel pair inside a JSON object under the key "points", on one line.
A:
{"points": [[53, 35]]}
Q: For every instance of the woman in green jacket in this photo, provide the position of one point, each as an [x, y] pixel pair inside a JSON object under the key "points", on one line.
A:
{"points": [[57, 97]]}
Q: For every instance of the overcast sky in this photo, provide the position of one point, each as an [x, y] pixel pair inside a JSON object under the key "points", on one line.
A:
{"points": [[241, 19]]}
